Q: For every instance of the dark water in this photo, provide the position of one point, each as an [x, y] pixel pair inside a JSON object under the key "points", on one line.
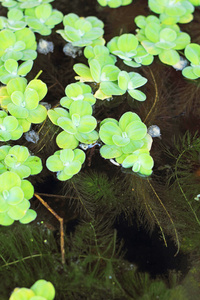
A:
{"points": [[119, 227]]}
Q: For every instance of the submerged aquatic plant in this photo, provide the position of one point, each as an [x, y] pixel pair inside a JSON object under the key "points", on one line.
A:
{"points": [[41, 290], [82, 31]]}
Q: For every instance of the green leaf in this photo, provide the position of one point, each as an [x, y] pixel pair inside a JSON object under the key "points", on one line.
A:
{"points": [[11, 66], [109, 73], [128, 118], [127, 42], [31, 98], [15, 196], [120, 141], [110, 151], [27, 188], [123, 79], [17, 111], [67, 125], [83, 71], [168, 34], [43, 11], [81, 108], [192, 52], [107, 131], [29, 217], [129, 161], [72, 168], [34, 163], [25, 67], [110, 88], [188, 73], [95, 69], [44, 289], [37, 115], [66, 140], [10, 123], [169, 57], [136, 130], [152, 32], [79, 155], [54, 163], [17, 212], [39, 86], [87, 124], [138, 95], [56, 113], [16, 84], [5, 220]]}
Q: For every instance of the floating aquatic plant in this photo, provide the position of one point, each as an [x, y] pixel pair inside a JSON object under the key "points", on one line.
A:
{"points": [[172, 12], [18, 45], [18, 159], [11, 69], [192, 53], [127, 48], [78, 124], [41, 290], [22, 101], [82, 31], [77, 91], [66, 163], [14, 196], [9, 127], [42, 18], [15, 20], [161, 39], [114, 3]]}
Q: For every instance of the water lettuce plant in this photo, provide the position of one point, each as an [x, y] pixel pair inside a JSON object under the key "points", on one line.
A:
{"points": [[14, 196], [18, 45], [9, 127], [22, 101], [140, 161], [11, 69], [192, 53], [40, 290], [77, 91], [114, 3], [18, 159], [15, 20], [127, 48], [172, 12], [42, 18], [78, 124], [66, 163], [161, 39], [82, 31]]}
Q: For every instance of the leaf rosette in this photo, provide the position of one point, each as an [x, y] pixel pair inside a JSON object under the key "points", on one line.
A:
{"points": [[22, 101], [122, 137], [161, 39], [82, 31], [19, 45], [78, 124], [14, 196], [9, 127], [114, 3], [18, 159], [77, 91], [10, 69], [192, 53], [43, 18], [66, 163]]}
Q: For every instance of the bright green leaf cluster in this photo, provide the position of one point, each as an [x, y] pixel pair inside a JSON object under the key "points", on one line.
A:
{"points": [[78, 124], [125, 138], [22, 101], [40, 290], [114, 3], [15, 20], [9, 127], [127, 48], [66, 163], [18, 159], [77, 91], [14, 196], [172, 12], [192, 53], [195, 2], [11, 69], [82, 31], [130, 82], [19, 45], [42, 18], [161, 39]]}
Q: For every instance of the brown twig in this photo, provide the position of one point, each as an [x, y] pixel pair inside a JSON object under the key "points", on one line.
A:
{"points": [[62, 248]]}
